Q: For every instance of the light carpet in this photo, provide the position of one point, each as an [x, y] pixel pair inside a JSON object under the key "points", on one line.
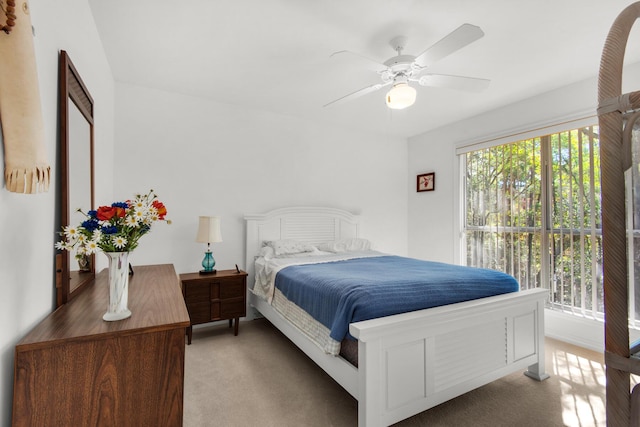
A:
{"points": [[260, 378]]}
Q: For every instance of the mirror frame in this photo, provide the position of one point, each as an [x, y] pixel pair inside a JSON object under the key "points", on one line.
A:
{"points": [[71, 88]]}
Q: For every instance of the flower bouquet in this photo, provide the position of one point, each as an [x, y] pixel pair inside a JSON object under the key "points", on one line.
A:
{"points": [[116, 230]]}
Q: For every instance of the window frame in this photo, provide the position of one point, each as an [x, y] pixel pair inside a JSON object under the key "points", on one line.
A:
{"points": [[461, 151]]}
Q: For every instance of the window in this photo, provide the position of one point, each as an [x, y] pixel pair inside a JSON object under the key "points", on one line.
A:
{"points": [[532, 209]]}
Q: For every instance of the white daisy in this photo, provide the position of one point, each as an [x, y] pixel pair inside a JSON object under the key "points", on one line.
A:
{"points": [[119, 242], [131, 221], [97, 235], [62, 245], [139, 203], [72, 232], [91, 247], [153, 213], [141, 214]]}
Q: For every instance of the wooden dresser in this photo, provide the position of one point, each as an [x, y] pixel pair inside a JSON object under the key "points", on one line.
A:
{"points": [[75, 369]]}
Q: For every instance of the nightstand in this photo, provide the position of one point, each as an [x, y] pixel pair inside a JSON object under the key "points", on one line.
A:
{"points": [[211, 297]]}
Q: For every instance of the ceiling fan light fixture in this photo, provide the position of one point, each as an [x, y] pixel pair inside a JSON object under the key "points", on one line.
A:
{"points": [[401, 96], [401, 69]]}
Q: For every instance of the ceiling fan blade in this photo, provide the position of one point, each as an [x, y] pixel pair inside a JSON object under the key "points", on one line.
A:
{"points": [[371, 63], [469, 84], [358, 93], [459, 38]]}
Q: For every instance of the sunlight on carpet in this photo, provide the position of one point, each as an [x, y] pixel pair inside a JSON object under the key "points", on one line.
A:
{"points": [[582, 380], [582, 383]]}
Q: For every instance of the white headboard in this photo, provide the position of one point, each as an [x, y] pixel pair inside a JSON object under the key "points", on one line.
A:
{"points": [[307, 224]]}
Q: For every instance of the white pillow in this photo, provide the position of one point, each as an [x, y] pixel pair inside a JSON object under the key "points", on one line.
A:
{"points": [[346, 245], [313, 253], [266, 252], [288, 247]]}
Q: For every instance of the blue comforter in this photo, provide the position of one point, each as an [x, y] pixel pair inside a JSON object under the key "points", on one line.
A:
{"points": [[342, 292]]}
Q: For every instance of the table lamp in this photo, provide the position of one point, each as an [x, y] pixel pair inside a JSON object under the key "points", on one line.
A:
{"points": [[208, 231]]}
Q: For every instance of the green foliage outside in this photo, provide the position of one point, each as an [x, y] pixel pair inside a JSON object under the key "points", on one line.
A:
{"points": [[507, 211]]}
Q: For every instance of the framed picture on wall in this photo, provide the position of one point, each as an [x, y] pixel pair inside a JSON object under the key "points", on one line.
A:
{"points": [[427, 182]]}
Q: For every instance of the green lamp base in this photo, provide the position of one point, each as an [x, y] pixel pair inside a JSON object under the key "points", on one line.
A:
{"points": [[208, 263]]}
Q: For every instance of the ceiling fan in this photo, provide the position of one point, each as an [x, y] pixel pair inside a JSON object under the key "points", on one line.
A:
{"points": [[400, 70]]}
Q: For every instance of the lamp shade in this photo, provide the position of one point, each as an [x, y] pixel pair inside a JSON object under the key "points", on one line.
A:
{"points": [[401, 96], [209, 230]]}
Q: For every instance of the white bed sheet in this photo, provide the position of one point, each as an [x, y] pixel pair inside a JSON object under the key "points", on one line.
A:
{"points": [[314, 330], [266, 268]]}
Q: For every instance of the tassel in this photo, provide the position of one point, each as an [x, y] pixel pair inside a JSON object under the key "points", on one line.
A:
{"points": [[28, 181]]}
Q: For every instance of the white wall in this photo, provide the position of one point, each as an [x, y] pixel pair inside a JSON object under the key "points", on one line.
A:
{"points": [[27, 221], [207, 158]]}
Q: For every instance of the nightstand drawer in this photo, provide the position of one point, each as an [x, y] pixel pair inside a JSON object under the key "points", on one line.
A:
{"points": [[232, 289], [196, 292], [199, 313], [233, 309]]}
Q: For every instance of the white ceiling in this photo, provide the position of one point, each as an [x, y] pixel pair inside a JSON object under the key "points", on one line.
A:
{"points": [[274, 55]]}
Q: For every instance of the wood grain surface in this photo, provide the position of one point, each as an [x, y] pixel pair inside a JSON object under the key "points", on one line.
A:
{"points": [[76, 369]]}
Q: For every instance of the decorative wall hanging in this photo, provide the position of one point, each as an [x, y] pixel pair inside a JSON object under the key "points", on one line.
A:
{"points": [[426, 182], [26, 167], [8, 8]]}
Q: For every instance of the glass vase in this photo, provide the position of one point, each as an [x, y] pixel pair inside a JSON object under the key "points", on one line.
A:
{"points": [[118, 286]]}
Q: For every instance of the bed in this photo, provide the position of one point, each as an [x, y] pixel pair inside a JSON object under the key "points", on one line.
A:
{"points": [[408, 362]]}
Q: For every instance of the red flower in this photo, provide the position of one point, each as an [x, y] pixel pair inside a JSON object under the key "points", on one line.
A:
{"points": [[162, 210], [105, 213]]}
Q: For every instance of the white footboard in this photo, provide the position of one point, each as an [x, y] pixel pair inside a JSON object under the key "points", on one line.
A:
{"points": [[411, 362]]}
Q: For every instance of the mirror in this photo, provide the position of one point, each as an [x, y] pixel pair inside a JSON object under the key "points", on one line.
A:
{"points": [[76, 175]]}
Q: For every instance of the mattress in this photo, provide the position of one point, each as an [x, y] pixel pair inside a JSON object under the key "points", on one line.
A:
{"points": [[314, 330]]}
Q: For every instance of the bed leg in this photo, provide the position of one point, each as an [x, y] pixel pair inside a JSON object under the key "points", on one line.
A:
{"points": [[537, 371], [369, 384]]}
